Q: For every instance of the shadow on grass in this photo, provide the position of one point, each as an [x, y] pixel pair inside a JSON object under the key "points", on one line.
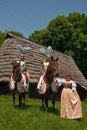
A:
{"points": [[23, 107], [50, 110]]}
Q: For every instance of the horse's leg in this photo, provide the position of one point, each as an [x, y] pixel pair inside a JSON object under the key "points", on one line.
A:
{"points": [[13, 93], [46, 98], [53, 101], [20, 99], [24, 96], [42, 99], [46, 102]]}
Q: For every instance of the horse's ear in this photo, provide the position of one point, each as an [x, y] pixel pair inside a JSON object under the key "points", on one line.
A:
{"points": [[19, 61], [52, 58], [41, 62], [57, 58], [13, 62]]}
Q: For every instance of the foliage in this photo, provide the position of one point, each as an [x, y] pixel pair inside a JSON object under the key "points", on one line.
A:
{"points": [[33, 117], [60, 31], [38, 36], [2, 37], [16, 33], [67, 35]]}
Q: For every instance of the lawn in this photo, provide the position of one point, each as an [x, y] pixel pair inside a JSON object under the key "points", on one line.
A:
{"points": [[33, 117]]}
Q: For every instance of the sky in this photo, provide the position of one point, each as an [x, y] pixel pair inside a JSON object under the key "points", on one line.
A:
{"points": [[26, 16]]}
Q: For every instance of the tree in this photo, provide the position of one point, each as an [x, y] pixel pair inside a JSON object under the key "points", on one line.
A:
{"points": [[67, 35], [79, 22], [38, 36], [2, 38], [60, 31]]}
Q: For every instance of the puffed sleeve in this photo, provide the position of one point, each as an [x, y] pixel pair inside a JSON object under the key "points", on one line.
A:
{"points": [[74, 85], [60, 81]]}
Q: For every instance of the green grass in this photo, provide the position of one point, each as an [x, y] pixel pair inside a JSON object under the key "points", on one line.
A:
{"points": [[33, 117]]}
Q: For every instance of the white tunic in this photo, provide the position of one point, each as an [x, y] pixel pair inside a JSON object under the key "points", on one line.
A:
{"points": [[21, 86]]}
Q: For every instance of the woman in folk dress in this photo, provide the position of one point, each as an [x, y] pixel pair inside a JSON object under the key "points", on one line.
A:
{"points": [[70, 101]]}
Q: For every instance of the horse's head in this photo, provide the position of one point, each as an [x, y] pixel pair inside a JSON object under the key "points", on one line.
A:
{"points": [[16, 71], [52, 70]]}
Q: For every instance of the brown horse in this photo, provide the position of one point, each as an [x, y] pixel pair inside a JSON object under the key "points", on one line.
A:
{"points": [[18, 84], [48, 84]]}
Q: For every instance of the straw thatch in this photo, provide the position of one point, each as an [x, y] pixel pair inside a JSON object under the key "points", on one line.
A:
{"points": [[10, 52]]}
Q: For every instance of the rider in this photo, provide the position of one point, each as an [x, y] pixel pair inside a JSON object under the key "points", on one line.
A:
{"points": [[23, 68], [45, 64], [48, 52]]}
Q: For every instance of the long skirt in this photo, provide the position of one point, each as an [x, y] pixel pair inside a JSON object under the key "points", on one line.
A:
{"points": [[70, 104]]}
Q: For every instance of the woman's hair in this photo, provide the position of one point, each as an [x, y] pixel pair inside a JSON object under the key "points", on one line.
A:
{"points": [[68, 75]]}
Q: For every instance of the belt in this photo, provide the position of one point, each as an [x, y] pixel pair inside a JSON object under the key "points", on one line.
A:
{"points": [[70, 87]]}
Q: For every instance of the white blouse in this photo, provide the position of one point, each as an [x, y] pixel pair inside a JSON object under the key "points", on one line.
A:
{"points": [[61, 81]]}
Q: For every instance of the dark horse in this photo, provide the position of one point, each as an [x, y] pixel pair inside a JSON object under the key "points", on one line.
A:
{"points": [[18, 84], [48, 83]]}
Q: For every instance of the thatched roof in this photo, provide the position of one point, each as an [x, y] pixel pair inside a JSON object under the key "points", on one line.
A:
{"points": [[9, 52]]}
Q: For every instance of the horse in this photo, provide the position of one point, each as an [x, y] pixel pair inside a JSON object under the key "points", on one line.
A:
{"points": [[19, 84], [47, 83]]}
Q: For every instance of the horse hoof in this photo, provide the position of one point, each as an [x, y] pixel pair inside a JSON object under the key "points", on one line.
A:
{"points": [[46, 109], [20, 105], [23, 104], [53, 110], [42, 106]]}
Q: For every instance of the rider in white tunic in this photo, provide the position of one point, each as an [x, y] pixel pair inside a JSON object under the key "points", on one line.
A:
{"points": [[41, 84]]}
